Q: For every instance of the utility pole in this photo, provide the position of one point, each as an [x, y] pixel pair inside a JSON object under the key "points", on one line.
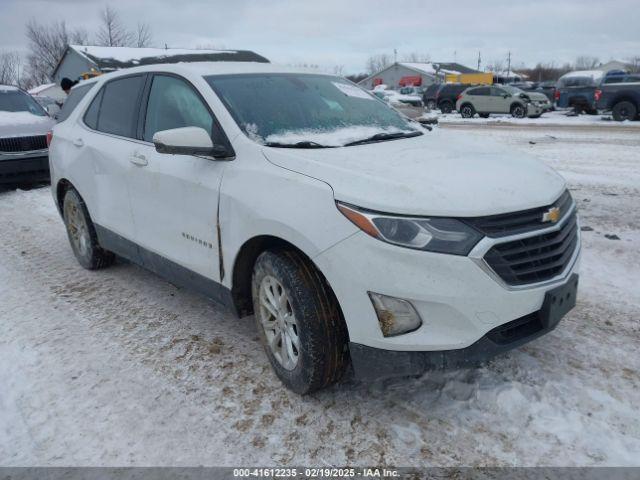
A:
{"points": [[479, 60], [508, 66], [395, 55]]}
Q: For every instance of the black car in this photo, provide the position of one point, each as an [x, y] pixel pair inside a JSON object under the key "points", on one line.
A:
{"points": [[447, 95]]}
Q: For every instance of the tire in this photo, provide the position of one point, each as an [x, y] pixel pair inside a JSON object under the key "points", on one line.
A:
{"points": [[82, 233], [484, 115], [624, 111], [431, 104], [518, 110], [304, 316], [467, 110], [446, 106]]}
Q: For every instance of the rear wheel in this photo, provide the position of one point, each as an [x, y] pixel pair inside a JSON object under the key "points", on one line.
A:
{"points": [[82, 233], [624, 111], [431, 104], [299, 321], [518, 110], [446, 106], [467, 111]]}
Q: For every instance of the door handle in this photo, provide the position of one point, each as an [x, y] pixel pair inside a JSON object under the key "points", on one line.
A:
{"points": [[138, 159], [78, 142]]}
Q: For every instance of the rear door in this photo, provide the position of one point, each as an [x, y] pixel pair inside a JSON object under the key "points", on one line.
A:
{"points": [[175, 197], [106, 143], [479, 97], [499, 104]]}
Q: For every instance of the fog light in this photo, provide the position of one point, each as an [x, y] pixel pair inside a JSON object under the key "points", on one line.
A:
{"points": [[396, 316]]}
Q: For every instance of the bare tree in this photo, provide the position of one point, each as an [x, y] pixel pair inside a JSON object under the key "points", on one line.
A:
{"points": [[416, 57], [144, 37], [338, 70], [497, 66], [585, 62], [112, 32], [378, 62], [634, 64], [9, 68], [47, 44]]}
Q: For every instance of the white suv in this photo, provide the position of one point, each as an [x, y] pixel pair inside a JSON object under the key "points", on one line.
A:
{"points": [[349, 231]]}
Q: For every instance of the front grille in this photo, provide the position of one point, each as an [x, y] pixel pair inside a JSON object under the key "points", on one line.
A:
{"points": [[518, 222], [537, 258], [23, 144]]}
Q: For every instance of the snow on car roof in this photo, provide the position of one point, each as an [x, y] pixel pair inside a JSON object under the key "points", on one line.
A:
{"points": [[595, 74], [8, 88], [41, 88]]}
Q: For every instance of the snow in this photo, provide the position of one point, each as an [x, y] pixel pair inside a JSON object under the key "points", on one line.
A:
{"points": [[594, 74], [118, 367], [428, 68], [41, 88], [334, 138], [8, 88], [21, 118], [557, 117], [129, 54]]}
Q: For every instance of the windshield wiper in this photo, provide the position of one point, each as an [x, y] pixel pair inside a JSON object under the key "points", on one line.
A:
{"points": [[303, 144], [379, 137]]}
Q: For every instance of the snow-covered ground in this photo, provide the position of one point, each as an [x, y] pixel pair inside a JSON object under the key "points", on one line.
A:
{"points": [[119, 367], [549, 119]]}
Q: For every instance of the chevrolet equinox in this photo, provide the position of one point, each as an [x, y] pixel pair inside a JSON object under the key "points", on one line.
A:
{"points": [[351, 233]]}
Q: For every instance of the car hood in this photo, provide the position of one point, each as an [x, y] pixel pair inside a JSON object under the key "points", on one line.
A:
{"points": [[441, 173], [18, 124]]}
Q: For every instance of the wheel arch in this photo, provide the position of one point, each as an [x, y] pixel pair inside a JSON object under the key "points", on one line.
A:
{"points": [[243, 270], [62, 187], [625, 97]]}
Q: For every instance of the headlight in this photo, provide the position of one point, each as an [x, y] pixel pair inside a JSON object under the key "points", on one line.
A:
{"points": [[435, 234]]}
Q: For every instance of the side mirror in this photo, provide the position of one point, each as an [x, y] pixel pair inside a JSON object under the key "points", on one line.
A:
{"points": [[187, 141]]}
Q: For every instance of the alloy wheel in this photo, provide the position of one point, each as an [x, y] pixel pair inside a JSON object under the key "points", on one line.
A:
{"points": [[279, 322]]}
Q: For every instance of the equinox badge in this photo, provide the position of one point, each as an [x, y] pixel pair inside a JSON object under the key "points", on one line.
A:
{"points": [[552, 215]]}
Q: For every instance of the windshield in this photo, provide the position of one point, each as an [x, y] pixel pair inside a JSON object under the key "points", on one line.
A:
{"points": [[576, 81], [17, 101], [297, 109]]}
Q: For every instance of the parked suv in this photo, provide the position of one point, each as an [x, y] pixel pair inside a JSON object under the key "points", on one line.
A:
{"points": [[620, 95], [351, 233], [23, 137], [502, 99], [447, 95]]}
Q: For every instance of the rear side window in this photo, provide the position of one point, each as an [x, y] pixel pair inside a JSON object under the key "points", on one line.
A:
{"points": [[91, 117], [118, 111], [173, 103], [483, 91], [72, 101]]}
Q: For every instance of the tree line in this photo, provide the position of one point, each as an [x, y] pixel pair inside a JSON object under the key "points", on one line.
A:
{"points": [[47, 43]]}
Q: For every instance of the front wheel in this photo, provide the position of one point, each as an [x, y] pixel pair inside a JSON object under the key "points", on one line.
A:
{"points": [[624, 111], [467, 111], [431, 104], [446, 107], [82, 233], [518, 111], [299, 321]]}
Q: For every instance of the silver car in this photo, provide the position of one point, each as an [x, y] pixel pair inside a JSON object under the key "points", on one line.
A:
{"points": [[23, 137], [485, 100]]}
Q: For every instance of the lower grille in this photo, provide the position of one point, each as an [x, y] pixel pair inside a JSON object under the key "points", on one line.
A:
{"points": [[23, 144], [537, 258]]}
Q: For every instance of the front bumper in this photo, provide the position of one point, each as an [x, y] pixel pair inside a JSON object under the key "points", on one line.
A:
{"points": [[28, 167], [460, 299], [373, 363]]}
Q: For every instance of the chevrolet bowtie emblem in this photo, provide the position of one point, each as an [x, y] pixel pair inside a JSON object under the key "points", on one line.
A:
{"points": [[552, 215]]}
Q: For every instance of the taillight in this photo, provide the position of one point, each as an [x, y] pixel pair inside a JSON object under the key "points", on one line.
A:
{"points": [[556, 95], [597, 94], [458, 97], [49, 137]]}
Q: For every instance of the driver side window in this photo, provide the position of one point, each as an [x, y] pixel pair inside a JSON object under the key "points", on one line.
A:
{"points": [[497, 92], [174, 104]]}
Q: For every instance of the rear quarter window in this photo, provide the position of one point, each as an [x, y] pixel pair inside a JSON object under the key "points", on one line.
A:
{"points": [[75, 97]]}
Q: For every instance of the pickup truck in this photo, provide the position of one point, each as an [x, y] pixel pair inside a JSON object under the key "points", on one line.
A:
{"points": [[620, 95], [577, 90]]}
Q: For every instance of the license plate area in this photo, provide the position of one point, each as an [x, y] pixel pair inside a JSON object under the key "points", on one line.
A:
{"points": [[558, 302]]}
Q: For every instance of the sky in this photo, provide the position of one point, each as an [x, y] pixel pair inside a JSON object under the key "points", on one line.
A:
{"points": [[344, 33]]}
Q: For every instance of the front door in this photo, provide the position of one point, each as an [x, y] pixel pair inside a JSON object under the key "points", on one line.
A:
{"points": [[501, 100], [174, 198]]}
